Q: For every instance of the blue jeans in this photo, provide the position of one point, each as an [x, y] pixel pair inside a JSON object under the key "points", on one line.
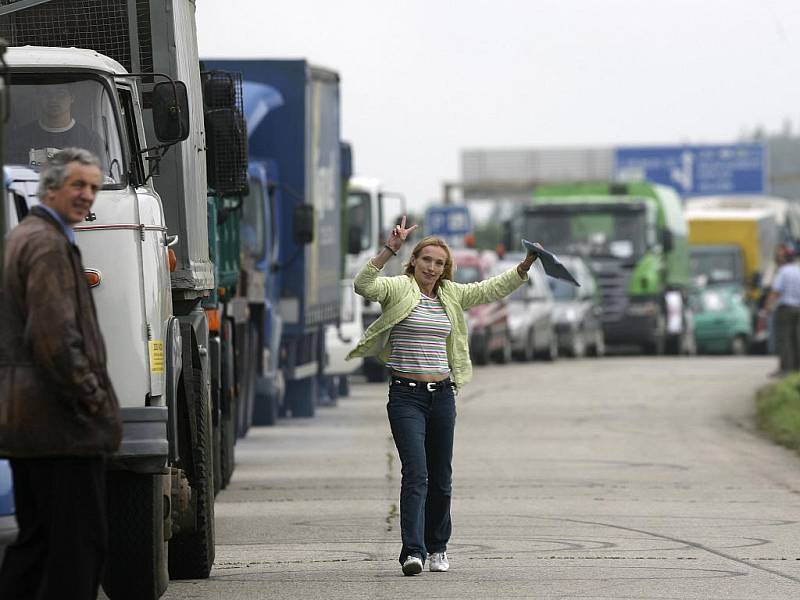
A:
{"points": [[422, 426]]}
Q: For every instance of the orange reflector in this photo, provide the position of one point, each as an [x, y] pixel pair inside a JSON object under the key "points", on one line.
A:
{"points": [[212, 314], [92, 278], [172, 259]]}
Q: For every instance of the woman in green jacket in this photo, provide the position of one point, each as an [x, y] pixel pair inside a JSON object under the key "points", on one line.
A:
{"points": [[421, 336]]}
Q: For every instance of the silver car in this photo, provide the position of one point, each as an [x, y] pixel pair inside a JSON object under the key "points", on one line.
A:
{"points": [[530, 314], [578, 311]]}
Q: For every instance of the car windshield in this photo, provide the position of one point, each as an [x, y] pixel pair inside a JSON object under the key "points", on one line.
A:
{"points": [[596, 233], [562, 290], [52, 112], [466, 274], [716, 267]]}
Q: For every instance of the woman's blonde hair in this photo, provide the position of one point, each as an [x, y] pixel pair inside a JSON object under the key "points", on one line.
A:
{"points": [[431, 240]]}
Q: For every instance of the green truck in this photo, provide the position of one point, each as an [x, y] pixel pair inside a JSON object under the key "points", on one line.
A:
{"points": [[634, 238]]}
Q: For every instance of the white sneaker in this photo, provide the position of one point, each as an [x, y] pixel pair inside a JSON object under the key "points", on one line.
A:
{"points": [[438, 562], [412, 566]]}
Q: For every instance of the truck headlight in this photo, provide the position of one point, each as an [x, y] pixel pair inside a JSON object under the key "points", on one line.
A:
{"points": [[713, 302]]}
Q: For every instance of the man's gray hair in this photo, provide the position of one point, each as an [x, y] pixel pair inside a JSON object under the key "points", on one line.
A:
{"points": [[54, 172]]}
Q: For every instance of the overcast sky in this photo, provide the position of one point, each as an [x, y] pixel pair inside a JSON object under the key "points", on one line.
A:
{"points": [[423, 79]]}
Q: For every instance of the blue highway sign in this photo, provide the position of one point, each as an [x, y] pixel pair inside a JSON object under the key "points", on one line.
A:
{"points": [[696, 170], [448, 220]]}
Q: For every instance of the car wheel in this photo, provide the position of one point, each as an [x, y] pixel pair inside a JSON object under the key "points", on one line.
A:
{"points": [[739, 346], [480, 352], [504, 356], [578, 348], [552, 350], [529, 351], [599, 345]]}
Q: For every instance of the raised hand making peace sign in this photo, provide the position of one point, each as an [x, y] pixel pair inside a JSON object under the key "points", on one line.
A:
{"points": [[398, 235]]}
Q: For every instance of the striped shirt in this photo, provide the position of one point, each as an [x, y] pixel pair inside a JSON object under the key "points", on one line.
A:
{"points": [[419, 341]]}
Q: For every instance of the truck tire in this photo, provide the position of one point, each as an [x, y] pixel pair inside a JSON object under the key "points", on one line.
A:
{"points": [[137, 557], [191, 553], [265, 408], [301, 397], [229, 411], [343, 385], [247, 361]]}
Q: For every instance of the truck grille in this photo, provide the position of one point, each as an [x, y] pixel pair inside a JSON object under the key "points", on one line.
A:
{"points": [[100, 25], [613, 278]]}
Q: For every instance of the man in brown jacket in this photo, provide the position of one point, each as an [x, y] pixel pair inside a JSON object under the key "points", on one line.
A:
{"points": [[59, 416]]}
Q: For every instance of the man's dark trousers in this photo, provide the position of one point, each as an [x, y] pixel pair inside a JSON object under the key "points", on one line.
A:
{"points": [[787, 337], [63, 534]]}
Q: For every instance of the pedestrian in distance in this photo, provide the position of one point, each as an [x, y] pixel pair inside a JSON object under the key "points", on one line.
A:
{"points": [[59, 416], [784, 302], [421, 336]]}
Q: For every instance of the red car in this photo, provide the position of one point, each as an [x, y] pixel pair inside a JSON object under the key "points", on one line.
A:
{"points": [[487, 323]]}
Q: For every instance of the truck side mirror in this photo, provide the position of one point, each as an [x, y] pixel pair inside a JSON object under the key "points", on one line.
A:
{"points": [[354, 239], [303, 221], [170, 112], [755, 280], [667, 240]]}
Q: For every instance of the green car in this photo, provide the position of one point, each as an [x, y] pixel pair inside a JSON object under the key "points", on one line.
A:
{"points": [[723, 320]]}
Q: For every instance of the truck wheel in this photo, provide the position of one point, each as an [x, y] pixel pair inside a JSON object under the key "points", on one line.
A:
{"points": [[301, 396], [265, 409], [137, 558], [249, 352], [191, 553], [344, 385], [229, 411]]}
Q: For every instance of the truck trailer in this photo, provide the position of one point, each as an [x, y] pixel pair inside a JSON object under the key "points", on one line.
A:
{"points": [[301, 139]]}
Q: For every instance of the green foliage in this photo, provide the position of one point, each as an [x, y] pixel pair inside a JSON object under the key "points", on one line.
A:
{"points": [[778, 411]]}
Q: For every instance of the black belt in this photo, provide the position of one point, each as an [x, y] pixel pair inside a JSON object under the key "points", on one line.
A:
{"points": [[429, 386]]}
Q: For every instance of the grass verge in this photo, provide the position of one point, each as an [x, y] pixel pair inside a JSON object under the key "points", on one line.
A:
{"points": [[778, 411]]}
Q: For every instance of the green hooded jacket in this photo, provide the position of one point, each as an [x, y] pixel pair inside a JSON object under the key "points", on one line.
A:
{"points": [[399, 295]]}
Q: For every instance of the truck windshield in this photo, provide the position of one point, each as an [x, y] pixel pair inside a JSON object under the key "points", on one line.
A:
{"points": [[359, 215], [52, 112], [621, 235], [716, 267]]}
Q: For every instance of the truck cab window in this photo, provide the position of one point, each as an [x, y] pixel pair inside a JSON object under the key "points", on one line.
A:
{"points": [[128, 112], [359, 215], [252, 224], [49, 113]]}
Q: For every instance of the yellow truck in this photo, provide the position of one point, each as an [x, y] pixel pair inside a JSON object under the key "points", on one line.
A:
{"points": [[732, 257], [753, 230]]}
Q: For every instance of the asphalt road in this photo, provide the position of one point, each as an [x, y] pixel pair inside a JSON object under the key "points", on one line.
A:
{"points": [[615, 478]]}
